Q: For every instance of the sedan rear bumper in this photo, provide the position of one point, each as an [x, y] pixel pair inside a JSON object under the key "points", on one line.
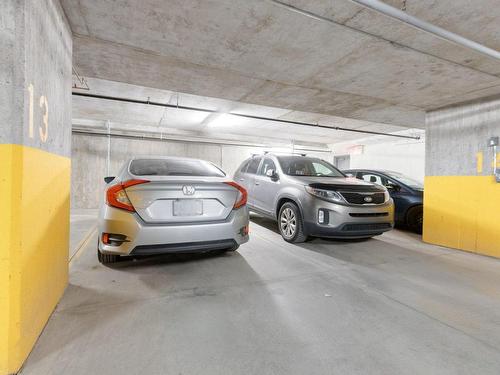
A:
{"points": [[143, 238], [185, 247]]}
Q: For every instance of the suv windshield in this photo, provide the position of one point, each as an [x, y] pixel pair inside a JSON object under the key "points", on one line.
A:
{"points": [[414, 184], [174, 167], [308, 167]]}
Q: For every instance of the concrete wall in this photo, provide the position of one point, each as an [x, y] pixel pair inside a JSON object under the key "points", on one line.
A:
{"points": [[35, 113], [89, 156], [462, 199], [404, 156]]}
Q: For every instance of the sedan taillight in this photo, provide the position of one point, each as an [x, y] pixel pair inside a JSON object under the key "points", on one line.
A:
{"points": [[242, 194], [117, 197]]}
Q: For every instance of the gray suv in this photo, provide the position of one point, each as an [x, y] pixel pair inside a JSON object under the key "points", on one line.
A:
{"points": [[310, 197]]}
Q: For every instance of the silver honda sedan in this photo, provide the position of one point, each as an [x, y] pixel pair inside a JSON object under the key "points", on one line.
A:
{"points": [[161, 205]]}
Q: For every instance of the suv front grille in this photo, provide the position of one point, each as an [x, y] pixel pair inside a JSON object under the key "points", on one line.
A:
{"points": [[368, 227], [363, 198], [369, 214]]}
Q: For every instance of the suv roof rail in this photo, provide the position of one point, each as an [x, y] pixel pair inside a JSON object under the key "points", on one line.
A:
{"points": [[279, 153]]}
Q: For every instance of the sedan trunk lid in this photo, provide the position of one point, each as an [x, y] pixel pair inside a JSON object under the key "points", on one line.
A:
{"points": [[182, 200]]}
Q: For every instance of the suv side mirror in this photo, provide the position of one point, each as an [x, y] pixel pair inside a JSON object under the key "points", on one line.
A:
{"points": [[393, 187], [271, 173], [108, 179]]}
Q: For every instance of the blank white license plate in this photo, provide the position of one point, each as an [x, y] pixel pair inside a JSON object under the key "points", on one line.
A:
{"points": [[188, 207]]}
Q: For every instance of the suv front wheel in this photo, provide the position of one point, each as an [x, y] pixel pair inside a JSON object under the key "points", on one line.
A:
{"points": [[290, 223]]}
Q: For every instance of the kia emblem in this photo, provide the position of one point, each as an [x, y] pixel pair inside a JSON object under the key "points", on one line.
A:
{"points": [[368, 199], [188, 190]]}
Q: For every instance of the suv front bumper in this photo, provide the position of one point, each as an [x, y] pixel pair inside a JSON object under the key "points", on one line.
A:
{"points": [[344, 221]]}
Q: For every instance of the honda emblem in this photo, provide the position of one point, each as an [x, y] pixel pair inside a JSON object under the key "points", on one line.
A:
{"points": [[188, 190]]}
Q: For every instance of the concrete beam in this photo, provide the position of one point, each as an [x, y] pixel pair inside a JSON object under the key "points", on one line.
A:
{"points": [[117, 62]]}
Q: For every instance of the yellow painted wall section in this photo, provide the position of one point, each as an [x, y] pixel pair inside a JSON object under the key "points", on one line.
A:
{"points": [[463, 212], [5, 231], [35, 256]]}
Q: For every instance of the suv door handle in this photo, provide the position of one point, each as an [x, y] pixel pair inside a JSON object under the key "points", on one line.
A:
{"points": [[257, 183], [242, 179]]}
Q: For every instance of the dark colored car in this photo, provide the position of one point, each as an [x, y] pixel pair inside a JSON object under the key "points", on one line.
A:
{"points": [[406, 192]]}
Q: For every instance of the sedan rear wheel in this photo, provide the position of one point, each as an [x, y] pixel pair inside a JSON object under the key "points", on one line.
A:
{"points": [[234, 248], [290, 223]]}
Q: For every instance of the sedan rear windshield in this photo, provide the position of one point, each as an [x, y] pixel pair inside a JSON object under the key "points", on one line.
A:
{"points": [[310, 167], [174, 167]]}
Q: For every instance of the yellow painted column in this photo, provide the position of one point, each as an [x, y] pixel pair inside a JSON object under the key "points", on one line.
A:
{"points": [[34, 250], [461, 194], [463, 212], [5, 260], [35, 168]]}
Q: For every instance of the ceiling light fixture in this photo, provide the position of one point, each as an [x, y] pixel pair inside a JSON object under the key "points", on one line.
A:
{"points": [[223, 120]]}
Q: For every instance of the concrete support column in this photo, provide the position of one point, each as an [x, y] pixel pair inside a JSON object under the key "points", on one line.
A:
{"points": [[462, 198], [35, 167]]}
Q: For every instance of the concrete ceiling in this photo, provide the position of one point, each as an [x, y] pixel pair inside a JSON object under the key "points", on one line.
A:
{"points": [[362, 66]]}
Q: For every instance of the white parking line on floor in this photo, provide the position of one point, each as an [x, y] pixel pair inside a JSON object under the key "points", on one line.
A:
{"points": [[82, 245]]}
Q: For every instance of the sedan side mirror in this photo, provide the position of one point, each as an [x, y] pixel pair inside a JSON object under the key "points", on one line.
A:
{"points": [[393, 187], [271, 173], [108, 179]]}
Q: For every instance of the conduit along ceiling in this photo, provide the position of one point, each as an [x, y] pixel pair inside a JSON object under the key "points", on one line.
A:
{"points": [[97, 113]]}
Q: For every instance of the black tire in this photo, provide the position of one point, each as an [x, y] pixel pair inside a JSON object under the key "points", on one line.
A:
{"points": [[290, 224], [231, 249], [415, 219], [107, 258]]}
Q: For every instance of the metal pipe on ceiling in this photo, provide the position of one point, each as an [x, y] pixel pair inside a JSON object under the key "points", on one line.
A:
{"points": [[390, 11], [392, 41], [381, 7], [198, 109], [99, 132]]}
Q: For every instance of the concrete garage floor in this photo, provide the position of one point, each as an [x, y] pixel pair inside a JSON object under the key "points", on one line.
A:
{"points": [[82, 222], [390, 305]]}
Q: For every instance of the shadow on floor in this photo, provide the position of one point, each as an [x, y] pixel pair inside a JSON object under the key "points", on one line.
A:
{"points": [[81, 312], [160, 305], [272, 225], [163, 259], [363, 251]]}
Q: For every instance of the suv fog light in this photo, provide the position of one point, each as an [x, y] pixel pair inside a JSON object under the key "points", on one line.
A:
{"points": [[323, 216]]}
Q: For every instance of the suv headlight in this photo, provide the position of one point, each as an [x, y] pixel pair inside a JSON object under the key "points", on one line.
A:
{"points": [[328, 195], [387, 196]]}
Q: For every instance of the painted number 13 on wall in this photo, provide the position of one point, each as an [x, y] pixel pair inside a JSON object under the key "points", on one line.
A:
{"points": [[43, 127]]}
